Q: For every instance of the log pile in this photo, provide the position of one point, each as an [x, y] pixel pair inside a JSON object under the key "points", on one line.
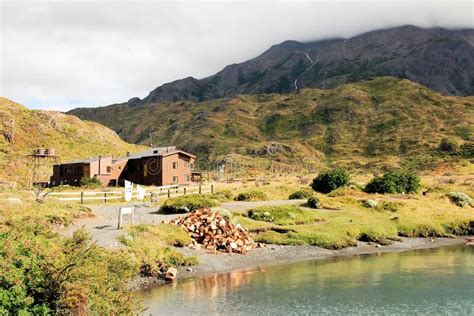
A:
{"points": [[214, 232]]}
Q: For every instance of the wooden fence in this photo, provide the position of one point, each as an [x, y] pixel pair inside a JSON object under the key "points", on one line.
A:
{"points": [[153, 194]]}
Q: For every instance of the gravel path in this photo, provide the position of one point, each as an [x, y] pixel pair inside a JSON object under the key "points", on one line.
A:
{"points": [[103, 226]]}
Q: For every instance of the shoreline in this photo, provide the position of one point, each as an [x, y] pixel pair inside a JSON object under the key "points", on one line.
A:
{"points": [[271, 255]]}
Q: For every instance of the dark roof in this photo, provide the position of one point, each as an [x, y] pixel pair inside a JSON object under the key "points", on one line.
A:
{"points": [[157, 151], [89, 160]]}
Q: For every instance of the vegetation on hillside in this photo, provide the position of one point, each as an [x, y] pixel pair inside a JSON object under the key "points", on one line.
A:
{"points": [[23, 130], [375, 124]]}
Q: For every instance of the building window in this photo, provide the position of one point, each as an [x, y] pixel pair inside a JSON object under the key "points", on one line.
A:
{"points": [[68, 170], [175, 165], [175, 179], [191, 165], [109, 169], [78, 170], [186, 177]]}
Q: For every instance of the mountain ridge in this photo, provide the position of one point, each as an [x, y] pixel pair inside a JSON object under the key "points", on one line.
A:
{"points": [[438, 58]]}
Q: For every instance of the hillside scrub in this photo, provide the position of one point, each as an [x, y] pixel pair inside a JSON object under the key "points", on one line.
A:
{"points": [[314, 202], [331, 180], [187, 203], [394, 182], [461, 199], [43, 273], [251, 195], [301, 194]]}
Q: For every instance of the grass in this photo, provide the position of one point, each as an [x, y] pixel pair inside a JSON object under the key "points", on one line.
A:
{"points": [[152, 245], [349, 221], [187, 203]]}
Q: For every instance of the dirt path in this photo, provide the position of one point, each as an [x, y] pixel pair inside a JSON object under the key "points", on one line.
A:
{"points": [[103, 226]]}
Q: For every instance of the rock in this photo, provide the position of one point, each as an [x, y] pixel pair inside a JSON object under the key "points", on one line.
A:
{"points": [[171, 274], [190, 269], [14, 201]]}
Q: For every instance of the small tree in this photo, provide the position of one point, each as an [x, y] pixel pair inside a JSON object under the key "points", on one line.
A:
{"points": [[394, 182], [448, 145], [330, 180], [91, 183]]}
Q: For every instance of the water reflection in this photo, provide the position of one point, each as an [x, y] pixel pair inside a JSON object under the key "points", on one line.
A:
{"points": [[374, 283]]}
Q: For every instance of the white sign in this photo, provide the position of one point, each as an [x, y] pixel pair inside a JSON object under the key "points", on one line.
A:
{"points": [[140, 193], [123, 211], [128, 191]]}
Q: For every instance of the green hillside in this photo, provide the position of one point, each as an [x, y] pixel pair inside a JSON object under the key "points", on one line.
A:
{"points": [[375, 123], [23, 130]]}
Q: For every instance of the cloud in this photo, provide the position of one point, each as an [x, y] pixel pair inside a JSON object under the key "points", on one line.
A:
{"points": [[61, 54]]}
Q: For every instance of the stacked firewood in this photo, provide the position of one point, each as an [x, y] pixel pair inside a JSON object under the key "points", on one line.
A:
{"points": [[214, 232]]}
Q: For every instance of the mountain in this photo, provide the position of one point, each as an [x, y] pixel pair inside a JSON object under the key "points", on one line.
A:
{"points": [[440, 59], [356, 124], [23, 130]]}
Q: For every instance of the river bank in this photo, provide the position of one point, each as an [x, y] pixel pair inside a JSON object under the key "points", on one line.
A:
{"points": [[271, 255]]}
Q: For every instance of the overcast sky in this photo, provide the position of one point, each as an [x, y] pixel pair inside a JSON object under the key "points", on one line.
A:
{"points": [[65, 54]]}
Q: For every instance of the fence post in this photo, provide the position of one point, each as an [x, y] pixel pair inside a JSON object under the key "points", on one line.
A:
{"points": [[169, 193], [199, 189], [184, 191], [105, 197], [82, 197], [212, 188]]}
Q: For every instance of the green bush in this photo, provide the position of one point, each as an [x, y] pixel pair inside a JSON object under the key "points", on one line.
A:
{"points": [[44, 274], [223, 196], [252, 195], [330, 180], [370, 203], [461, 199], [282, 215], [91, 183], [467, 150], [187, 203], [313, 202], [304, 193], [448, 145], [394, 182]]}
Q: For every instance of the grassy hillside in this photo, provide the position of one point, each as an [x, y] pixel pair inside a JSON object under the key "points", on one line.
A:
{"points": [[370, 124], [22, 130]]}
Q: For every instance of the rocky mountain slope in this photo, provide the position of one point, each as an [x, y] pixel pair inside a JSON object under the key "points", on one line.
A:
{"points": [[440, 59], [356, 124], [23, 130]]}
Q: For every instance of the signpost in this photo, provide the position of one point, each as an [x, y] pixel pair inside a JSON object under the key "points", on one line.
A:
{"points": [[128, 191]]}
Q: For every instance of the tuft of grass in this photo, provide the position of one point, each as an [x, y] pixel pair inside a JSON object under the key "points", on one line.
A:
{"points": [[252, 195], [187, 203], [283, 215], [301, 194]]}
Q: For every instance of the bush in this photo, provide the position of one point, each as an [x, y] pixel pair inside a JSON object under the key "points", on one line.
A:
{"points": [[330, 180], [467, 150], [313, 202], [223, 196], [301, 194], [45, 274], [461, 199], [282, 215], [187, 203], [448, 145], [253, 195], [394, 182], [370, 203], [91, 183]]}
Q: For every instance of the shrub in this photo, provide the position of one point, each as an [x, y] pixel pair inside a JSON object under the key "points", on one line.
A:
{"points": [[282, 215], [313, 202], [394, 182], [448, 145], [461, 199], [223, 196], [44, 274], [467, 150], [252, 195], [301, 194], [330, 180], [370, 203], [187, 203], [91, 183]]}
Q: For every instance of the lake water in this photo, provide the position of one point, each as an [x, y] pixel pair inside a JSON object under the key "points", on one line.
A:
{"points": [[435, 281]]}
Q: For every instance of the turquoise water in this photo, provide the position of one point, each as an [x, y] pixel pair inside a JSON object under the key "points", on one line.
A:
{"points": [[437, 282]]}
